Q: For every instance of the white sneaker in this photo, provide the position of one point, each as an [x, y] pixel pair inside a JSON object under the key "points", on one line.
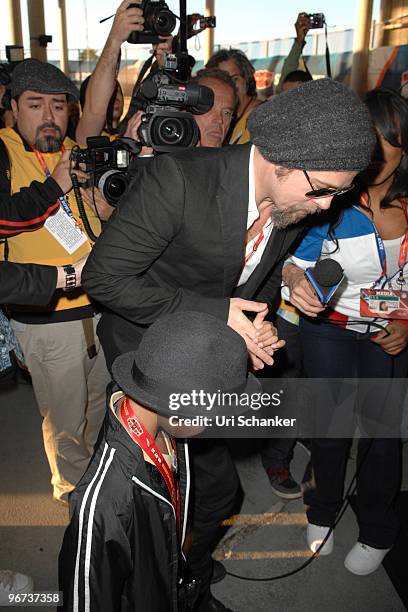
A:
{"points": [[363, 559], [12, 583], [315, 536]]}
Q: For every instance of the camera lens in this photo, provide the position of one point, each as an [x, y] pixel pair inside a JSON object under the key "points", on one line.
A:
{"points": [[167, 130], [171, 130], [164, 22], [112, 184]]}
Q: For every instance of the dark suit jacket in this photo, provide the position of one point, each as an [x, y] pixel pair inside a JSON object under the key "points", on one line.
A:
{"points": [[177, 242], [27, 283]]}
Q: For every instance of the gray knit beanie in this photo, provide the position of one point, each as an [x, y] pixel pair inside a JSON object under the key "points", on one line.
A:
{"points": [[321, 125], [41, 77]]}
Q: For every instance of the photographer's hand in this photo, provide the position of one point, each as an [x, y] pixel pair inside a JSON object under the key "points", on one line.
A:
{"points": [[162, 49], [302, 26], [126, 21], [61, 174], [132, 130], [93, 198]]}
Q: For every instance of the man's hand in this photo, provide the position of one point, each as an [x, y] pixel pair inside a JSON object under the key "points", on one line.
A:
{"points": [[93, 198], [61, 174], [396, 341], [162, 49], [132, 130], [126, 21], [239, 322], [267, 339], [301, 293], [302, 26]]}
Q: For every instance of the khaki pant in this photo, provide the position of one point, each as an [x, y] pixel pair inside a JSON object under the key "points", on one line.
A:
{"points": [[70, 391]]}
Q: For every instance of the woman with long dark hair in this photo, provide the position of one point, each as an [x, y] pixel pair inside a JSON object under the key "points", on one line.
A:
{"points": [[348, 340]]}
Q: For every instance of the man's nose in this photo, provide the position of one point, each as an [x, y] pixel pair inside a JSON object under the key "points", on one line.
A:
{"points": [[323, 203], [47, 112]]}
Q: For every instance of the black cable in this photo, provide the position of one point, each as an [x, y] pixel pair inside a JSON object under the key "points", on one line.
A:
{"points": [[341, 322], [81, 207], [94, 203], [344, 505]]}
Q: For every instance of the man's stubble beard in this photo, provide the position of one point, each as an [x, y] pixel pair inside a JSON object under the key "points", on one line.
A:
{"points": [[48, 144], [281, 219]]}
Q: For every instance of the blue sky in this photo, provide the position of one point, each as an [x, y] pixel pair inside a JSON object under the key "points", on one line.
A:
{"points": [[237, 20]]}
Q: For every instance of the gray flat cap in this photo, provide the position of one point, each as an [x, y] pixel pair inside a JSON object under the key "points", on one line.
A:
{"points": [[321, 125], [33, 75]]}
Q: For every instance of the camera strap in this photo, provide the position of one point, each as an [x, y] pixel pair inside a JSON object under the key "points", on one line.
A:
{"points": [[328, 67], [327, 55]]}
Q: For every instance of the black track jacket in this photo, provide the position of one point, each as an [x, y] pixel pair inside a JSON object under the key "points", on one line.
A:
{"points": [[120, 550]]}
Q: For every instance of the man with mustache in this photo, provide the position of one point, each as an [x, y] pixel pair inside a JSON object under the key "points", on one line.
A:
{"points": [[65, 361], [208, 229]]}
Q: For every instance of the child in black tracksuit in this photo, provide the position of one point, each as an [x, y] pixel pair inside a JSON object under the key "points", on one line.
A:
{"points": [[122, 550]]}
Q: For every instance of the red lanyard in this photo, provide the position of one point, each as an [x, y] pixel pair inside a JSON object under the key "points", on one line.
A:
{"points": [[402, 258], [255, 247], [144, 440]]}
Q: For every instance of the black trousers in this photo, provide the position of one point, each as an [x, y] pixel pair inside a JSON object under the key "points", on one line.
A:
{"points": [[288, 363], [215, 496], [333, 352]]}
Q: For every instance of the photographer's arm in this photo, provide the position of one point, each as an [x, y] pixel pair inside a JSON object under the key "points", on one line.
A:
{"points": [[33, 283], [291, 62], [102, 81], [146, 222], [28, 209]]}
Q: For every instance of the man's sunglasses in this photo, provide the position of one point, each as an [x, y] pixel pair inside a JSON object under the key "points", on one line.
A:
{"points": [[324, 192]]}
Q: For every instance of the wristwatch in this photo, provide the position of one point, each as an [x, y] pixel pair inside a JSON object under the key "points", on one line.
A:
{"points": [[70, 278]]}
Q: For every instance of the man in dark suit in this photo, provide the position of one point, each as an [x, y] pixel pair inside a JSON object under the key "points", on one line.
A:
{"points": [[208, 230]]}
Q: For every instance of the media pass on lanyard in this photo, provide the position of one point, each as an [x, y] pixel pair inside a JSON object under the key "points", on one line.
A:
{"points": [[63, 228], [387, 303]]}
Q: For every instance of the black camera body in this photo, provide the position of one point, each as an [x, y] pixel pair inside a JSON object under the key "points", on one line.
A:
{"points": [[168, 123], [317, 20], [208, 22], [15, 55], [107, 163], [159, 20]]}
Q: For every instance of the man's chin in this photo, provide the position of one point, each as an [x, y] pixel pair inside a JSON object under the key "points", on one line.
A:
{"points": [[48, 144], [212, 141], [282, 218]]}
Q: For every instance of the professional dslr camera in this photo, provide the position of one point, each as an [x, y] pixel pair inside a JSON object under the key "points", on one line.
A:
{"points": [[166, 126], [107, 163], [317, 20], [159, 20]]}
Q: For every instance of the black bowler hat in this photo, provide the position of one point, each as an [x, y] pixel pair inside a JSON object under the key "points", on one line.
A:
{"points": [[185, 352]]}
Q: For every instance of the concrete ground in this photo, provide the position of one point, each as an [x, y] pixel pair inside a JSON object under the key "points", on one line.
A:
{"points": [[266, 539]]}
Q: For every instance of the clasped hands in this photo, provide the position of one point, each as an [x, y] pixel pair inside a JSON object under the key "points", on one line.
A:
{"points": [[260, 336]]}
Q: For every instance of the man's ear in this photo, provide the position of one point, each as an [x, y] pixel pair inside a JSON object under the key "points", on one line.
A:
{"points": [[14, 108]]}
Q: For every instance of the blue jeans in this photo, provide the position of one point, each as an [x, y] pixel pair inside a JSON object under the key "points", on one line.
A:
{"points": [[333, 352]]}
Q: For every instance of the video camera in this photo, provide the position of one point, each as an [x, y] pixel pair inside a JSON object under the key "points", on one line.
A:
{"points": [[107, 163], [168, 100], [159, 20], [167, 125]]}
